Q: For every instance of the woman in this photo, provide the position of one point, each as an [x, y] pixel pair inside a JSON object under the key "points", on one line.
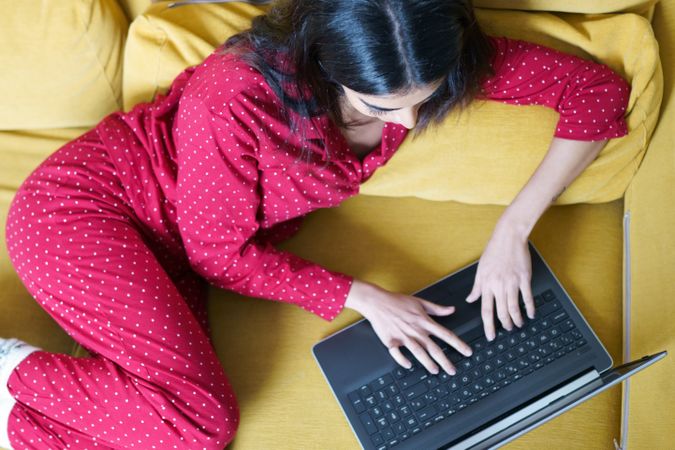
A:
{"points": [[118, 233]]}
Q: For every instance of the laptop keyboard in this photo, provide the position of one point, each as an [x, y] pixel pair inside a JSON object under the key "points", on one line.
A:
{"points": [[403, 402]]}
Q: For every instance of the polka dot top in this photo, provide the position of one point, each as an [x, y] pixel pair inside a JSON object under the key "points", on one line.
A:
{"points": [[215, 157]]}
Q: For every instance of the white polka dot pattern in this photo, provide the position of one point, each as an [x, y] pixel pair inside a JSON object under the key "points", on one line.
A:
{"points": [[154, 380]]}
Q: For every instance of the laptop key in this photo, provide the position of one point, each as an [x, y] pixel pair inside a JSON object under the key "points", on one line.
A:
{"points": [[357, 403], [399, 428], [368, 422], [400, 372], [388, 434], [548, 308], [426, 413], [548, 295], [381, 382], [538, 301], [377, 439], [566, 325], [375, 412], [416, 391], [418, 404], [413, 379]]}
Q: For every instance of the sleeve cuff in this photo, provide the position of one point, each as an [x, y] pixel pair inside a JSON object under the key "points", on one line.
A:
{"points": [[591, 132], [329, 307]]}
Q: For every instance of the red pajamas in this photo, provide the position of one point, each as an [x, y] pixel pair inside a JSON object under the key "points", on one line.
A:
{"points": [[118, 234]]}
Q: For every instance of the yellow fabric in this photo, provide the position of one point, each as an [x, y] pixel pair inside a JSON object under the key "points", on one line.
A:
{"points": [[61, 62], [487, 153], [649, 201], [403, 245], [642, 7], [22, 151], [133, 8], [162, 42]]}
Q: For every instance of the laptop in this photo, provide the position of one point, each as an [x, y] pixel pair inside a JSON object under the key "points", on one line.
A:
{"points": [[520, 380]]}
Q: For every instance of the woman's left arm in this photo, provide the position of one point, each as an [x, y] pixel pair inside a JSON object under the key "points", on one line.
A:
{"points": [[504, 268], [592, 101]]}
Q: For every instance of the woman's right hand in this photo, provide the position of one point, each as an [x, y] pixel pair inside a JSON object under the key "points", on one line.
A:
{"points": [[401, 320]]}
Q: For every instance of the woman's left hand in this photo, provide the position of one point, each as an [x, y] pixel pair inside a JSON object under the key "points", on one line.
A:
{"points": [[504, 269]]}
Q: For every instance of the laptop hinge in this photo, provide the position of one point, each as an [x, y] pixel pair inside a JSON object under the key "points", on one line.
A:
{"points": [[527, 411]]}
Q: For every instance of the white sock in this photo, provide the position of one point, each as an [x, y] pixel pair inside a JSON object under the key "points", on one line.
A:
{"points": [[12, 352]]}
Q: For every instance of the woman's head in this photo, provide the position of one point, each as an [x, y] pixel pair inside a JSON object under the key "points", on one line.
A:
{"points": [[380, 49]]}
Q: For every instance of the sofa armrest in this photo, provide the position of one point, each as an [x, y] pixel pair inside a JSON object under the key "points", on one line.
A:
{"points": [[650, 265]]}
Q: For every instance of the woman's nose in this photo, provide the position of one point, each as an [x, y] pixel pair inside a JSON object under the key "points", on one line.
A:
{"points": [[407, 117]]}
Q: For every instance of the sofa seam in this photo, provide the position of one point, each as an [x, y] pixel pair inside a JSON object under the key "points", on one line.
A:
{"points": [[625, 398], [101, 66]]}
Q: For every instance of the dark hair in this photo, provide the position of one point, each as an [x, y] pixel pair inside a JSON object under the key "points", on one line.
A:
{"points": [[306, 49]]}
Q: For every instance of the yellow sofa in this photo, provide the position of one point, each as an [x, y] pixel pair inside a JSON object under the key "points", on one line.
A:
{"points": [[610, 239]]}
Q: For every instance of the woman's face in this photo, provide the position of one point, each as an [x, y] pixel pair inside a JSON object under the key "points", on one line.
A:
{"points": [[401, 109]]}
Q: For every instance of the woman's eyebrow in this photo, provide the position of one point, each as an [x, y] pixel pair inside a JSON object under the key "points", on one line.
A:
{"points": [[377, 107]]}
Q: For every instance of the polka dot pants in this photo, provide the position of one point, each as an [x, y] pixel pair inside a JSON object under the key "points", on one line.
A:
{"points": [[121, 287]]}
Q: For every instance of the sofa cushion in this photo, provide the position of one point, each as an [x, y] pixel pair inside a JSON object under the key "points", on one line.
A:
{"points": [[133, 8], [162, 42], [643, 7], [62, 63], [506, 142], [22, 151]]}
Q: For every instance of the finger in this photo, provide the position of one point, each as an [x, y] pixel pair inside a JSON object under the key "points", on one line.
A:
{"points": [[435, 309], [422, 356], [503, 311], [487, 312], [513, 306], [398, 356], [448, 336], [475, 292], [528, 299], [437, 354]]}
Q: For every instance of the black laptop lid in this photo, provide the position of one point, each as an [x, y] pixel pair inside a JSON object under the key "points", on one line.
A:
{"points": [[607, 379]]}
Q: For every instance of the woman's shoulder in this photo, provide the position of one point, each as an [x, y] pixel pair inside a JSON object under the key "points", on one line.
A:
{"points": [[227, 77]]}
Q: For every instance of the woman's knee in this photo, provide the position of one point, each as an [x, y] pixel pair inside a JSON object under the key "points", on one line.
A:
{"points": [[220, 423]]}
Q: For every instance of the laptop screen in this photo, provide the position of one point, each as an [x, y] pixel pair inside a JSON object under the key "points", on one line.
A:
{"points": [[494, 437]]}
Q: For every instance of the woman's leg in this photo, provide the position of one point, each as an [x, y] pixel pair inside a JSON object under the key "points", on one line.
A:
{"points": [[154, 380]]}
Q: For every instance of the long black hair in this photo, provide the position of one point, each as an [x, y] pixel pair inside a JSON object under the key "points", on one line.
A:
{"points": [[374, 47]]}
